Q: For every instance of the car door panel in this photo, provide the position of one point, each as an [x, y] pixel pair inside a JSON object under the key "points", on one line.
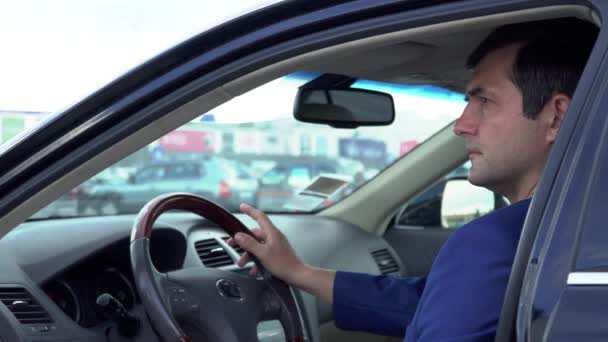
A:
{"points": [[537, 293], [417, 247], [580, 315]]}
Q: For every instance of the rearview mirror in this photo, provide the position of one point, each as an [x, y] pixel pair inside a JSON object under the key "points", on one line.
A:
{"points": [[344, 107]]}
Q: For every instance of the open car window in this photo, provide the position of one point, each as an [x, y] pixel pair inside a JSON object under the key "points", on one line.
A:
{"points": [[254, 151]]}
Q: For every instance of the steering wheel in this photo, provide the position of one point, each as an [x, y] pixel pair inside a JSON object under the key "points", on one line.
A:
{"points": [[220, 305]]}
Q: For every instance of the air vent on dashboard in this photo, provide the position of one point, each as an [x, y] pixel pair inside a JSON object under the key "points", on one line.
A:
{"points": [[385, 261], [212, 254], [237, 248], [21, 303]]}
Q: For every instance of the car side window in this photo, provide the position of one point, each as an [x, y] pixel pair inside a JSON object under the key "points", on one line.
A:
{"points": [[242, 172], [299, 177], [274, 176], [150, 174], [449, 204], [326, 169], [182, 171]]}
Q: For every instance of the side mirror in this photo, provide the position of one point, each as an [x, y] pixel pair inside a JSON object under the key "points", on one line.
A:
{"points": [[344, 107], [462, 201]]}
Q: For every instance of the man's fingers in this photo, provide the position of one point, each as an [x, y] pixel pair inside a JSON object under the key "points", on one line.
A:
{"points": [[257, 215], [248, 243], [245, 258], [259, 234]]}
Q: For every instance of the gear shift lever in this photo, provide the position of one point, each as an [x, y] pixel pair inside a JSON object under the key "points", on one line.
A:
{"points": [[113, 309]]}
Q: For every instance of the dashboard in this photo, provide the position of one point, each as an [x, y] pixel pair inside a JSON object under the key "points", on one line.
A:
{"points": [[76, 294], [108, 271], [65, 265]]}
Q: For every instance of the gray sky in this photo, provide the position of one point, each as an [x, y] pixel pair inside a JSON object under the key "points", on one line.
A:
{"points": [[53, 53]]}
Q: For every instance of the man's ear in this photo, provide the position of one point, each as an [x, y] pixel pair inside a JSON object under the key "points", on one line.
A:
{"points": [[558, 105]]}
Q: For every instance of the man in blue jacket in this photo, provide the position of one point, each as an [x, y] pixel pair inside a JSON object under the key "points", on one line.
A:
{"points": [[524, 76]]}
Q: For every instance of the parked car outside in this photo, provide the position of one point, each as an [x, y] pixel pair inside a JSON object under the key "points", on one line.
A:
{"points": [[64, 206], [234, 182], [224, 181], [289, 176]]}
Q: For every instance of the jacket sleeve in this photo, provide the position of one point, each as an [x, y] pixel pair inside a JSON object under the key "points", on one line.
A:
{"points": [[382, 305]]}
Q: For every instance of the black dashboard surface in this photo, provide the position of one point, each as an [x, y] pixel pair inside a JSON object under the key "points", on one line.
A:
{"points": [[64, 264]]}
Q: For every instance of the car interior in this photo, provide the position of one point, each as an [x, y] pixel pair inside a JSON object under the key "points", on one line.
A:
{"points": [[61, 266]]}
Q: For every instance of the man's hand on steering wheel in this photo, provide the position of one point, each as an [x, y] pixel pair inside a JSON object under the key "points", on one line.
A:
{"points": [[275, 254], [271, 249]]}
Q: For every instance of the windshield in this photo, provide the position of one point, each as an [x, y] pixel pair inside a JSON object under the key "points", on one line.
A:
{"points": [[252, 150]]}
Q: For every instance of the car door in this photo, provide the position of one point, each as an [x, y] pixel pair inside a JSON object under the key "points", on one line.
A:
{"points": [[178, 177], [144, 186], [557, 288], [241, 179]]}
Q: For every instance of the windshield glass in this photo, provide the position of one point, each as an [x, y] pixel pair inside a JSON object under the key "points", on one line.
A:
{"points": [[252, 150]]}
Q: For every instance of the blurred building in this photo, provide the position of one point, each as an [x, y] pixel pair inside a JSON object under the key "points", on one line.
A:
{"points": [[13, 122]]}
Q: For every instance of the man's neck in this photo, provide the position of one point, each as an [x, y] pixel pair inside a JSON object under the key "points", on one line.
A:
{"points": [[521, 194]]}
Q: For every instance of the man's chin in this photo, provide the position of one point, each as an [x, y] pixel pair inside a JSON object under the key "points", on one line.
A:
{"points": [[475, 178], [483, 181]]}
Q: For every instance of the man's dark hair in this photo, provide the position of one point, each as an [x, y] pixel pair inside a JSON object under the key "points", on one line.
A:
{"points": [[550, 60]]}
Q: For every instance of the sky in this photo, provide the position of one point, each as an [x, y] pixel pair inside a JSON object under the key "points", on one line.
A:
{"points": [[54, 53]]}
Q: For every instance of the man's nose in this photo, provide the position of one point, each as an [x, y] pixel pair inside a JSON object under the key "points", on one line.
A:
{"points": [[466, 123]]}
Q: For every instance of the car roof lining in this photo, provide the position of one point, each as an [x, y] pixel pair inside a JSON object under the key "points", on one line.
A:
{"points": [[412, 55], [420, 42]]}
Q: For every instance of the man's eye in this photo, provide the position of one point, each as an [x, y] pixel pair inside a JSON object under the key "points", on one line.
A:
{"points": [[483, 99]]}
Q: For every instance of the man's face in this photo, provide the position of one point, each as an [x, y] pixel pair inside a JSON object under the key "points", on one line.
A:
{"points": [[506, 149]]}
